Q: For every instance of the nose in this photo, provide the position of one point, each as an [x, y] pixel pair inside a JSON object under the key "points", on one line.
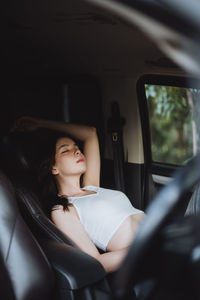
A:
{"points": [[77, 150]]}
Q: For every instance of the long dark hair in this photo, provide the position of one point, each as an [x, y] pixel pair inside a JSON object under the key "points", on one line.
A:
{"points": [[47, 182]]}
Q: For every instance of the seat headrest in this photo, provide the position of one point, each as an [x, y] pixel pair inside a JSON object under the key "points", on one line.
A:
{"points": [[22, 152]]}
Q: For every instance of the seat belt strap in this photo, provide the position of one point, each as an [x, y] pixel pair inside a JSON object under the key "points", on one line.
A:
{"points": [[115, 129]]}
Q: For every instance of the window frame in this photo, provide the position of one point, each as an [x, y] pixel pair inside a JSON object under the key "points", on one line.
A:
{"points": [[157, 168]]}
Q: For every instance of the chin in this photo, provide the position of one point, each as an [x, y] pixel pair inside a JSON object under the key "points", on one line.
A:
{"points": [[83, 171]]}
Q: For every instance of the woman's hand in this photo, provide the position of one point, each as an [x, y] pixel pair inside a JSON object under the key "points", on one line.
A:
{"points": [[26, 124]]}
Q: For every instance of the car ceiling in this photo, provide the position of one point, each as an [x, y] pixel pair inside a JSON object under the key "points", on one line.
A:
{"points": [[58, 38]]}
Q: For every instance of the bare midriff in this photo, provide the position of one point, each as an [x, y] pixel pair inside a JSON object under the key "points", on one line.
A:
{"points": [[126, 232]]}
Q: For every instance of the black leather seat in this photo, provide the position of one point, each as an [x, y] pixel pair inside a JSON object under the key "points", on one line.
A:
{"points": [[25, 271], [18, 159], [77, 273]]}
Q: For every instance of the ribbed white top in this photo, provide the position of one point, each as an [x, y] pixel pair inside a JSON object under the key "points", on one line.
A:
{"points": [[102, 212]]}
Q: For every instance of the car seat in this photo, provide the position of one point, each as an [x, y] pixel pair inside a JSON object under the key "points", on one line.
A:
{"points": [[25, 271], [76, 272], [18, 159]]}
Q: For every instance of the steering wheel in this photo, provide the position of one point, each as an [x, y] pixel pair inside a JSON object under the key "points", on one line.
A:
{"points": [[157, 214]]}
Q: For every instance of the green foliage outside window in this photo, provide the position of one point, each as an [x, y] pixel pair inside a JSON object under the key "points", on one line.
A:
{"points": [[174, 136]]}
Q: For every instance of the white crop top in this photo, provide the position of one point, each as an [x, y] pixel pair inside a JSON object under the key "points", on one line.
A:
{"points": [[102, 213]]}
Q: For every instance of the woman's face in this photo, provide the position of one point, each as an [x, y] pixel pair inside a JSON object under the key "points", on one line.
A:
{"points": [[68, 158]]}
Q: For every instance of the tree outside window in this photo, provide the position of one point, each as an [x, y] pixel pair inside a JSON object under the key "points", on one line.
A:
{"points": [[174, 118]]}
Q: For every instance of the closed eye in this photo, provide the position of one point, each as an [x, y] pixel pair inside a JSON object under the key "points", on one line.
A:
{"points": [[65, 151]]}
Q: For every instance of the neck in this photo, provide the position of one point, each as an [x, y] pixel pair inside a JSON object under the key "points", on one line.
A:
{"points": [[69, 186]]}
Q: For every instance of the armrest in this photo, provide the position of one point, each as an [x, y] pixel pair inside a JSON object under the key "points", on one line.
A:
{"points": [[74, 268]]}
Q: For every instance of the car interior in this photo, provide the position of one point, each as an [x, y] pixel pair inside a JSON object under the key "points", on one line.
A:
{"points": [[123, 68]]}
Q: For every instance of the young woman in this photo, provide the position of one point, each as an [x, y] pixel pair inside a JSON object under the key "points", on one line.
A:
{"points": [[93, 217]]}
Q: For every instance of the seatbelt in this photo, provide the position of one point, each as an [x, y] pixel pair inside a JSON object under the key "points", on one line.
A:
{"points": [[115, 129]]}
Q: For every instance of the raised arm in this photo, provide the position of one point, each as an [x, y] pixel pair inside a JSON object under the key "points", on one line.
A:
{"points": [[85, 134]]}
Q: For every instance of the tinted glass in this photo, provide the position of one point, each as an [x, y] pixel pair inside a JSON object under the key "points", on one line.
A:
{"points": [[173, 115]]}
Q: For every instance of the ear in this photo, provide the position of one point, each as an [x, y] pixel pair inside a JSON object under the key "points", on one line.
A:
{"points": [[54, 170]]}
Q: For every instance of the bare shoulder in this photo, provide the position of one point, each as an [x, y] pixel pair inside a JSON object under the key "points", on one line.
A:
{"points": [[68, 222]]}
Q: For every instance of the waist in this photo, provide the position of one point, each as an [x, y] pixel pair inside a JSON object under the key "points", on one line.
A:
{"points": [[124, 235]]}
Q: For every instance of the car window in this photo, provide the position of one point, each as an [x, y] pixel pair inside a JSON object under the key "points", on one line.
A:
{"points": [[172, 119]]}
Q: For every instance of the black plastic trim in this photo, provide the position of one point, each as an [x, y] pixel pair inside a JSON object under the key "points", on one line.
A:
{"points": [[74, 268], [164, 169]]}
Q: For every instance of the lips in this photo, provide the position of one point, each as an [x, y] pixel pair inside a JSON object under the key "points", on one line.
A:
{"points": [[80, 160]]}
